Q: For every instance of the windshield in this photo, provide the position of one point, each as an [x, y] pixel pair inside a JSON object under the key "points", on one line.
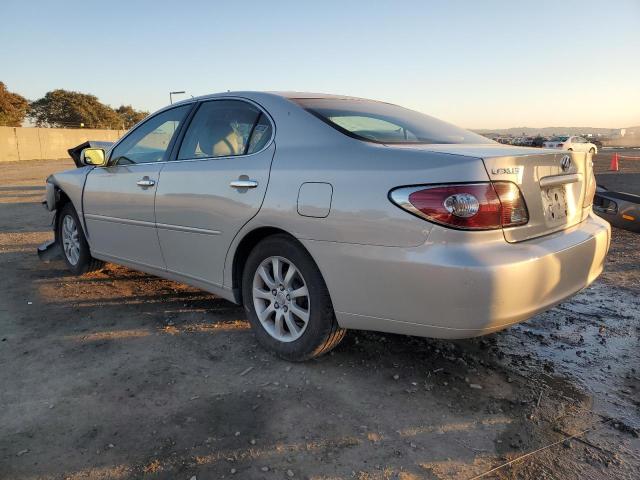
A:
{"points": [[559, 139], [380, 122]]}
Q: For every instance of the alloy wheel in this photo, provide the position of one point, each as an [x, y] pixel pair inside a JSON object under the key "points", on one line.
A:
{"points": [[281, 298], [70, 240]]}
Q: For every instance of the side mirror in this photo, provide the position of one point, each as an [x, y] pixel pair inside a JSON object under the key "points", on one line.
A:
{"points": [[93, 156]]}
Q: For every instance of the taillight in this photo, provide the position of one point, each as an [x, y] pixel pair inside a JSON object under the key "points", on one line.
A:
{"points": [[560, 145], [476, 206]]}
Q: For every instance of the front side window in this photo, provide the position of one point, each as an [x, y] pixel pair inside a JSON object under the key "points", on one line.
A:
{"points": [[380, 122], [150, 141], [225, 128]]}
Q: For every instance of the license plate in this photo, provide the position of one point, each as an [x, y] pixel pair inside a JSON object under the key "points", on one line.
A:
{"points": [[555, 203]]}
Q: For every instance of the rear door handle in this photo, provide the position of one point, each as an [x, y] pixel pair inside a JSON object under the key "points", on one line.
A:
{"points": [[145, 182], [243, 184]]}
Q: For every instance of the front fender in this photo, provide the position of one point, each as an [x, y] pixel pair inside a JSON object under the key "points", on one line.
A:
{"points": [[66, 185], [50, 201]]}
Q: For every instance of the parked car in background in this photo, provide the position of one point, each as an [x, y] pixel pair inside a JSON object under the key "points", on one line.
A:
{"points": [[538, 141], [366, 216], [597, 143], [572, 144]]}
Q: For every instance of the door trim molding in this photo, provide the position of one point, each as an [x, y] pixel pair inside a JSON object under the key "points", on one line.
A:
{"points": [[180, 228], [127, 221], [142, 223]]}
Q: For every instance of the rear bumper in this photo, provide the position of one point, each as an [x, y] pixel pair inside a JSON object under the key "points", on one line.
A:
{"points": [[459, 289]]}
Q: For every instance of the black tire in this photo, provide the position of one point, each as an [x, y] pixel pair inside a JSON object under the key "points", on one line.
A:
{"points": [[85, 262], [592, 151], [322, 332]]}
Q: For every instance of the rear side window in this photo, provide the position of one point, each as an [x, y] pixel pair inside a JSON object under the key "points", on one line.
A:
{"points": [[261, 134], [225, 128], [380, 122]]}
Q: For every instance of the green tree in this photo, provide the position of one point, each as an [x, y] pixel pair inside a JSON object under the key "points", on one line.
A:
{"points": [[63, 108], [130, 116], [13, 107]]}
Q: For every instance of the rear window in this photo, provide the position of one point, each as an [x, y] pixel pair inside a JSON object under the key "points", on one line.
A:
{"points": [[380, 122], [559, 139]]}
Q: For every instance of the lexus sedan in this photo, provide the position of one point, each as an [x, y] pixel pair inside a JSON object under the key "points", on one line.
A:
{"points": [[324, 213], [572, 144]]}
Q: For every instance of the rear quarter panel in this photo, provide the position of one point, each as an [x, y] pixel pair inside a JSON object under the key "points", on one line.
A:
{"points": [[361, 176]]}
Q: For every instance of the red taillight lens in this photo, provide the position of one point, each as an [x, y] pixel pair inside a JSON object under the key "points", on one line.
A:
{"points": [[514, 209], [478, 206], [560, 145]]}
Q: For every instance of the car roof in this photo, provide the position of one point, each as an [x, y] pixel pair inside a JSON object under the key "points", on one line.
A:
{"points": [[251, 94]]}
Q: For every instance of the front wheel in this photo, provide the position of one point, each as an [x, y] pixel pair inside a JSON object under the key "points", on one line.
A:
{"points": [[287, 301], [75, 248]]}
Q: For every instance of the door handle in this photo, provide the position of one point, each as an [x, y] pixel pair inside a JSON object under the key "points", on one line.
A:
{"points": [[145, 182], [243, 184]]}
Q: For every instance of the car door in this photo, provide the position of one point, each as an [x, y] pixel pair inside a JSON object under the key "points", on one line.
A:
{"points": [[215, 185], [119, 198]]}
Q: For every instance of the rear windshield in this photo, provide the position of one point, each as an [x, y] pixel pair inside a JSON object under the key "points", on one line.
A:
{"points": [[559, 139], [385, 123]]}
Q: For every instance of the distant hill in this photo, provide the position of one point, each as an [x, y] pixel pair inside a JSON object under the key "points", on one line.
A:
{"points": [[549, 131]]}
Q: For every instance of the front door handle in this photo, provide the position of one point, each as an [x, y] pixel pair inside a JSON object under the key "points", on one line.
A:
{"points": [[145, 182], [244, 184]]}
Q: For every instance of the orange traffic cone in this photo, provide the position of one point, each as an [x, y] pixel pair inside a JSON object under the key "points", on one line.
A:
{"points": [[614, 163]]}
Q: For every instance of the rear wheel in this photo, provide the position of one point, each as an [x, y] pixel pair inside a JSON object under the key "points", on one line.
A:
{"points": [[287, 301], [592, 150], [75, 248]]}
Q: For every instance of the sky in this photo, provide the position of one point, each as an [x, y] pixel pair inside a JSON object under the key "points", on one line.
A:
{"points": [[478, 64]]}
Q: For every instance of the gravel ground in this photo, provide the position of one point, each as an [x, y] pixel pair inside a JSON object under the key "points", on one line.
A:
{"points": [[118, 375]]}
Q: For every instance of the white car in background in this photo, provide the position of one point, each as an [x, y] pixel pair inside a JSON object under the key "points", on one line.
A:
{"points": [[572, 144]]}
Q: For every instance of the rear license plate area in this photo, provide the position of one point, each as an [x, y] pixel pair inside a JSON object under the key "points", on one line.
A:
{"points": [[554, 200]]}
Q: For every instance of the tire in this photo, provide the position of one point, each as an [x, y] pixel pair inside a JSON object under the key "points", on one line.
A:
{"points": [[294, 339], [592, 151], [73, 243]]}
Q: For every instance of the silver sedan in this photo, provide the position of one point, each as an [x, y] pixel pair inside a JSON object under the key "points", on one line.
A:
{"points": [[323, 213]]}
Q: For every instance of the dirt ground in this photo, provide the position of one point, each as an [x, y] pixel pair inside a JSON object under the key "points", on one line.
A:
{"points": [[118, 375]]}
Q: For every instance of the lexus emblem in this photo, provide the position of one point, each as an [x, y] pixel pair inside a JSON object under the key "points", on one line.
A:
{"points": [[565, 163]]}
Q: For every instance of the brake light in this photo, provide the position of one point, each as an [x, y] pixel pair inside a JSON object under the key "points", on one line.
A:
{"points": [[560, 145], [477, 206]]}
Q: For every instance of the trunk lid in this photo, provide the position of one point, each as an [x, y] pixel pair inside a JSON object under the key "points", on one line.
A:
{"points": [[554, 193]]}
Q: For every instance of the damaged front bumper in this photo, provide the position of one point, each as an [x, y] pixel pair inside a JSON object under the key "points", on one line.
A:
{"points": [[49, 250]]}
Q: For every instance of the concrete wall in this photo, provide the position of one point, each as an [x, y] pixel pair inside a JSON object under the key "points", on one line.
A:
{"points": [[31, 143]]}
